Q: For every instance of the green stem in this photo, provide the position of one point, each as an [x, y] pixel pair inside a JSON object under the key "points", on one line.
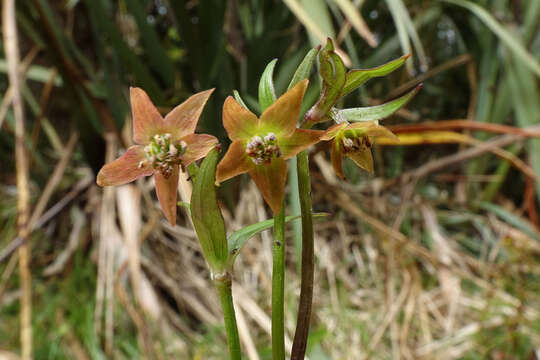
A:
{"points": [[278, 287], [225, 295], [306, 288]]}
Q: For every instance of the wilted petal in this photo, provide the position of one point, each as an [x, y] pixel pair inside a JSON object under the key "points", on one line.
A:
{"points": [[337, 158], [198, 146], [282, 116], [332, 131], [298, 141], [239, 122], [167, 189], [363, 159], [235, 162], [147, 121], [125, 169], [270, 180], [182, 120]]}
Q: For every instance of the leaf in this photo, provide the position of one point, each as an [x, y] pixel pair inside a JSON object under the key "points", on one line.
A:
{"points": [[206, 215], [356, 78], [506, 37], [267, 94], [239, 99], [239, 238], [510, 218], [304, 69], [377, 112]]}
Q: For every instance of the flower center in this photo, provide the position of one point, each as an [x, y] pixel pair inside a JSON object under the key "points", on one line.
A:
{"points": [[163, 154], [355, 143], [261, 150]]}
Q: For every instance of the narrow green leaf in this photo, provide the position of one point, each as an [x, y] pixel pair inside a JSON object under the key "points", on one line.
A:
{"points": [[238, 98], [239, 238], [267, 94], [206, 215], [304, 69], [356, 78], [377, 112], [506, 37], [510, 218]]}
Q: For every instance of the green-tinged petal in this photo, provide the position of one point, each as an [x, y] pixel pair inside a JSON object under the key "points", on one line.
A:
{"points": [[167, 189], [298, 141], [239, 122], [235, 162], [337, 158], [282, 116], [356, 78], [125, 169], [372, 129], [182, 120], [363, 159], [270, 180], [147, 120], [332, 131], [198, 146]]}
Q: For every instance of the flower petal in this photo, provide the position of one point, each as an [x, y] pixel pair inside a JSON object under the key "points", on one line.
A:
{"points": [[270, 180], [167, 189], [298, 141], [235, 162], [282, 116], [147, 120], [363, 159], [182, 120], [337, 158], [373, 129], [125, 169], [198, 146], [332, 131], [239, 122]]}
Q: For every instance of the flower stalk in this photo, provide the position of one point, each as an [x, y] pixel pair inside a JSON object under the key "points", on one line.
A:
{"points": [[278, 287], [224, 286]]}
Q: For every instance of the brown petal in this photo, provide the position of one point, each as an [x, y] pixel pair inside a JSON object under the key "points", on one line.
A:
{"points": [[270, 180], [239, 122], [332, 131], [167, 189], [182, 120], [198, 146], [235, 162], [298, 141], [147, 120], [337, 158], [373, 129], [282, 116], [125, 169], [363, 159]]}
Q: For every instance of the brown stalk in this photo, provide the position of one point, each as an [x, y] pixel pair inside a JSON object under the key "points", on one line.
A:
{"points": [[12, 56]]}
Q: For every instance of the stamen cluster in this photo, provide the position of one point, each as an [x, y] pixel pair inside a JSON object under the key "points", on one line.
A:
{"points": [[162, 154], [355, 143], [261, 150]]}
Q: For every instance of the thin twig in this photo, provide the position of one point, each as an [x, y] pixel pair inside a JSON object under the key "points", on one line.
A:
{"points": [[11, 47]]}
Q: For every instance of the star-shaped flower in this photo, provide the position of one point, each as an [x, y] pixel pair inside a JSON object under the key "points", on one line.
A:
{"points": [[261, 146], [354, 141], [163, 146]]}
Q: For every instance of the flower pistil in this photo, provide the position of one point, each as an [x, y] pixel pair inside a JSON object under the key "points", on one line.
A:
{"points": [[163, 154], [261, 150]]}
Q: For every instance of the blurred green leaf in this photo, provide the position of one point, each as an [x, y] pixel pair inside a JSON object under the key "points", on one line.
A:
{"points": [[510, 218], [304, 69]]}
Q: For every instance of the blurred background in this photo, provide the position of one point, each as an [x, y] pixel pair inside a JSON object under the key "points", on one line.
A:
{"points": [[435, 256]]}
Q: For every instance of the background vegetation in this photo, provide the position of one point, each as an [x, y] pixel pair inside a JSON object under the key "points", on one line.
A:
{"points": [[437, 256]]}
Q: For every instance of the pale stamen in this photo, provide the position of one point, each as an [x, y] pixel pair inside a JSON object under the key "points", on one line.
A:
{"points": [[261, 150]]}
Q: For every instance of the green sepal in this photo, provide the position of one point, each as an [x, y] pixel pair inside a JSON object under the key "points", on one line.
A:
{"points": [[206, 215], [239, 238], [238, 98], [356, 78], [267, 94], [304, 69], [372, 113]]}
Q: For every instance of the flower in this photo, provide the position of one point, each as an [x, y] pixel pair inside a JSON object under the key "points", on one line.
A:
{"points": [[354, 141], [261, 146], [163, 146]]}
